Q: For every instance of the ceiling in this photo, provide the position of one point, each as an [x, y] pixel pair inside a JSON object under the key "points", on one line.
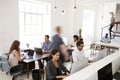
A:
{"points": [[95, 1]]}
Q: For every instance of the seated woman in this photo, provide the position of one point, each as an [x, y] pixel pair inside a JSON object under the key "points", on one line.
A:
{"points": [[14, 54], [55, 67]]}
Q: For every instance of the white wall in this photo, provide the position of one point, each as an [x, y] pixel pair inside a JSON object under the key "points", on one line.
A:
{"points": [[9, 27], [71, 21]]}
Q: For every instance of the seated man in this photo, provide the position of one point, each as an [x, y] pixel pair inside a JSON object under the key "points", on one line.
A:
{"points": [[78, 53], [105, 39], [47, 45]]}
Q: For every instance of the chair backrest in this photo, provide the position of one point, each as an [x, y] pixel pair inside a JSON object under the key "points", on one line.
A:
{"points": [[38, 51], [14, 70], [76, 66], [4, 64]]}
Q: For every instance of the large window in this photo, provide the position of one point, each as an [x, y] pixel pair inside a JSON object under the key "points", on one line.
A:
{"points": [[34, 21], [88, 23]]}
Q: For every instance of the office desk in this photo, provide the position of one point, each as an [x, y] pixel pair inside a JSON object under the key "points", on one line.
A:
{"points": [[35, 58], [90, 72], [110, 45]]}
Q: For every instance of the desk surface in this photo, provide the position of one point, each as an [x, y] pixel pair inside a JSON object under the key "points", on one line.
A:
{"points": [[109, 44], [36, 57], [91, 70]]}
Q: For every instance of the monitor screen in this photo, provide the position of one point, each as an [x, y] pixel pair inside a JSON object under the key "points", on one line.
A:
{"points": [[105, 73]]}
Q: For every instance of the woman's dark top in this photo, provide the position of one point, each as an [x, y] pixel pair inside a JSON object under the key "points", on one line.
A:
{"points": [[52, 71], [58, 71]]}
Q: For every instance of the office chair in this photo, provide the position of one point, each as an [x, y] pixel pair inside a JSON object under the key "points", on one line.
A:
{"points": [[14, 71]]}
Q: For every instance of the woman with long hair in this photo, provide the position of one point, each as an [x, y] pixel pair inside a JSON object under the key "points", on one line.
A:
{"points": [[55, 67], [14, 54]]}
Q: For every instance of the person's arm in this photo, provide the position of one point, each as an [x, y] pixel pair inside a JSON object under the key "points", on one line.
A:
{"points": [[65, 52], [74, 56], [64, 68], [62, 76], [50, 75], [17, 55]]}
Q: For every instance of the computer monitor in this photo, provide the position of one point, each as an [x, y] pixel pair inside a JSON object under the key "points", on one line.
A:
{"points": [[105, 73], [76, 66]]}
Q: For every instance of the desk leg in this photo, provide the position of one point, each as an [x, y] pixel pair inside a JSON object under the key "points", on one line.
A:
{"points": [[28, 70], [39, 70], [43, 69]]}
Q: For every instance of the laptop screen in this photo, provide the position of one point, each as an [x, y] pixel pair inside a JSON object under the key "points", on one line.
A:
{"points": [[38, 51]]}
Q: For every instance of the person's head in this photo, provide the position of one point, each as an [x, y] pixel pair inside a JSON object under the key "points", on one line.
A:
{"points": [[58, 30], [106, 35], [75, 38], [55, 54], [111, 13], [46, 38], [80, 45], [15, 46]]}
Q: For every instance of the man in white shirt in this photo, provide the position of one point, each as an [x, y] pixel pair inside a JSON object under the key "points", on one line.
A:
{"points": [[78, 53]]}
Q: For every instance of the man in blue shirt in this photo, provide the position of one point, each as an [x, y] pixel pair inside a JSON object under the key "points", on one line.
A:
{"points": [[47, 45], [59, 44]]}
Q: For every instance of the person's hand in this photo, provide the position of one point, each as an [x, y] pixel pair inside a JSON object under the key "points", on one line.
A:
{"points": [[64, 77], [67, 73]]}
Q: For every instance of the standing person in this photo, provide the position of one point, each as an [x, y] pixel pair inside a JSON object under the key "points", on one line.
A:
{"points": [[14, 54], [112, 23], [59, 44], [47, 45], [55, 68]]}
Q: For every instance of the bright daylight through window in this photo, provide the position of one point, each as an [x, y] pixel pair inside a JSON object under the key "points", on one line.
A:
{"points": [[34, 22]]}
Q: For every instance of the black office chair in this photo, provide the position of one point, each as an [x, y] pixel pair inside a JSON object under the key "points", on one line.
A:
{"points": [[15, 71]]}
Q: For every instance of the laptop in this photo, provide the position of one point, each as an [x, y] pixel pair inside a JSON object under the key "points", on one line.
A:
{"points": [[101, 54], [38, 51], [77, 66]]}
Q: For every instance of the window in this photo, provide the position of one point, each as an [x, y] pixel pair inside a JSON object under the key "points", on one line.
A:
{"points": [[34, 22], [88, 23]]}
